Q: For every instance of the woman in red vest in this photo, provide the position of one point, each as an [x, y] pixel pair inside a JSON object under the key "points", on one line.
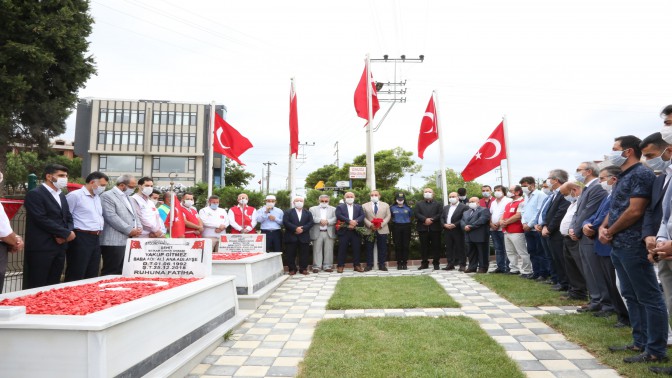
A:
{"points": [[514, 235]]}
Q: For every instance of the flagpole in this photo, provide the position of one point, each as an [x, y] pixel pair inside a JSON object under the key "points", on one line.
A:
{"points": [[508, 149], [442, 164], [370, 169], [211, 139], [173, 197], [292, 157]]}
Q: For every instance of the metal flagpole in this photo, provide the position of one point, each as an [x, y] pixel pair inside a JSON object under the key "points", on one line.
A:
{"points": [[508, 149], [211, 138], [370, 169], [442, 164]]}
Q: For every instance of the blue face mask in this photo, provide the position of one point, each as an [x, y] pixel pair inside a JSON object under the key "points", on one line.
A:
{"points": [[616, 158], [214, 206]]}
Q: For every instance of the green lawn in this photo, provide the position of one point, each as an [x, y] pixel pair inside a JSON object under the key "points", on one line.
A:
{"points": [[405, 347], [389, 292], [522, 292], [596, 335]]}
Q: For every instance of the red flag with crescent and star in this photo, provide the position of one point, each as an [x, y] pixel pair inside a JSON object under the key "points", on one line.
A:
{"points": [[361, 105], [488, 157], [429, 129], [228, 141], [293, 123]]}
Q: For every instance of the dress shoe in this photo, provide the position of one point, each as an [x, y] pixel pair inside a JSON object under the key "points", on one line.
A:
{"points": [[645, 357], [339, 269], [513, 273], [559, 287], [438, 267], [542, 279], [621, 348], [304, 272], [449, 267], [661, 370], [498, 271], [470, 270], [462, 268], [423, 266], [527, 276], [550, 282], [483, 270], [591, 308], [573, 297], [368, 268], [400, 267], [357, 268], [405, 266], [604, 314], [316, 271], [329, 270], [620, 324], [383, 268], [292, 272]]}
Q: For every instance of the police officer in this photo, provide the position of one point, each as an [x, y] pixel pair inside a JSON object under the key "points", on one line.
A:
{"points": [[401, 230]]}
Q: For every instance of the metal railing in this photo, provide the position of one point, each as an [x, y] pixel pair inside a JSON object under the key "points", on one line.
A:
{"points": [[14, 275]]}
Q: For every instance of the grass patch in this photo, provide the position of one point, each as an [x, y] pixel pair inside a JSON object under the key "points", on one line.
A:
{"points": [[596, 335], [405, 347], [389, 292], [522, 292]]}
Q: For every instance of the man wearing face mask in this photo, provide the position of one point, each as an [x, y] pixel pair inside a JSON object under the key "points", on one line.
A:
{"points": [[215, 221], [152, 226], [658, 154], [549, 225], [586, 206], [121, 223], [485, 202], [570, 249], [534, 198], [623, 229], [514, 237], [83, 255], [380, 211], [323, 234], [608, 177], [428, 217], [450, 220], [298, 223], [49, 229], [496, 211], [401, 230], [475, 224], [193, 225], [349, 215], [269, 218], [241, 217], [462, 196]]}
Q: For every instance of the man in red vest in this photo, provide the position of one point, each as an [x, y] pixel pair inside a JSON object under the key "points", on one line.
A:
{"points": [[514, 236], [242, 217]]}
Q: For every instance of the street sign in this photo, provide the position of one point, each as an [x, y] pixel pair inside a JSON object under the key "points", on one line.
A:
{"points": [[342, 184], [358, 172]]}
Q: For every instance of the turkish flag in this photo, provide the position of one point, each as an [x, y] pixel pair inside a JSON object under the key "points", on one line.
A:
{"points": [[177, 215], [361, 105], [228, 141], [488, 157], [293, 123], [429, 129]]}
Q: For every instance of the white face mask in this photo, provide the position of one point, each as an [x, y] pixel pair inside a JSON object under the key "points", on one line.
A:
{"points": [[129, 191], [298, 204], [452, 200], [546, 191], [154, 201], [616, 158], [428, 195], [509, 194], [99, 190], [375, 199], [570, 198], [473, 205], [147, 190], [243, 202], [350, 200], [657, 163], [666, 133], [188, 203], [400, 202], [324, 205], [61, 182], [579, 177], [499, 194], [486, 194], [549, 183], [462, 198], [526, 190], [270, 205], [606, 186]]}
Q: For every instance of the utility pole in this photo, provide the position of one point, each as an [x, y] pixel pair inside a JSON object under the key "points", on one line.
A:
{"points": [[302, 152], [268, 174], [336, 153]]}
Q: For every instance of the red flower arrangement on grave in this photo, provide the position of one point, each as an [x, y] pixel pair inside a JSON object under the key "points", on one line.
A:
{"points": [[233, 255], [92, 297]]}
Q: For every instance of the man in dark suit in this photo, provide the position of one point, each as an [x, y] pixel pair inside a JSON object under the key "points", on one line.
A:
{"points": [[474, 223], [349, 215], [49, 228], [550, 228], [586, 206], [297, 222], [428, 217], [450, 220]]}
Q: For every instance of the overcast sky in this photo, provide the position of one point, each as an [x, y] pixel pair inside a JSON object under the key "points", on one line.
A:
{"points": [[569, 76]]}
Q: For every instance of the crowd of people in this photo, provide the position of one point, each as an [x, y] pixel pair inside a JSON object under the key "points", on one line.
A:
{"points": [[596, 237]]}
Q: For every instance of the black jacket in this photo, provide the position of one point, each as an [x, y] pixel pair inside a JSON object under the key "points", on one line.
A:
{"points": [[424, 210]]}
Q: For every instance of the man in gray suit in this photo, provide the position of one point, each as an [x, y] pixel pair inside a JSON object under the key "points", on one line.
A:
{"points": [[376, 209], [121, 223], [475, 223], [323, 234], [587, 205]]}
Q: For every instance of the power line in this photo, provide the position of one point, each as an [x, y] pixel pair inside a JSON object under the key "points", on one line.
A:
{"points": [[268, 173]]}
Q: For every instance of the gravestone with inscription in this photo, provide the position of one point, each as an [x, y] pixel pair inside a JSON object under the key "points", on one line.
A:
{"points": [[168, 258]]}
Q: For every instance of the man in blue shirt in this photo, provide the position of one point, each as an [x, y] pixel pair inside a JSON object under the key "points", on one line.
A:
{"points": [[534, 198], [623, 229], [270, 219]]}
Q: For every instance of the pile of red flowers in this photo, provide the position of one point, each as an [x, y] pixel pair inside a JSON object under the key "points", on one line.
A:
{"points": [[233, 255], [87, 298]]}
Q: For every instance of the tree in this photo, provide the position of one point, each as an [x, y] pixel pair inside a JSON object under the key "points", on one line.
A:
{"points": [[43, 64], [325, 174], [20, 165], [454, 181], [236, 175]]}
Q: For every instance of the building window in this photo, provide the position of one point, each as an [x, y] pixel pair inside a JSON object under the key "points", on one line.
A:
{"points": [[168, 164], [120, 163], [101, 137], [102, 115], [138, 116]]}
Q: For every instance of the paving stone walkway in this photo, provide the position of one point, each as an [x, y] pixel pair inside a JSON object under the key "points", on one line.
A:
{"points": [[273, 340]]}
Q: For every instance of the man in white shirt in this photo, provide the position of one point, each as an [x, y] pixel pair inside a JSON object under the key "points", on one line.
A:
{"points": [[83, 255], [571, 251], [323, 234], [215, 221], [497, 210], [9, 241], [242, 218], [152, 227]]}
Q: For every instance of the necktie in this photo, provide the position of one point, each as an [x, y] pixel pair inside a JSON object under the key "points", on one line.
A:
{"points": [[375, 208]]}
